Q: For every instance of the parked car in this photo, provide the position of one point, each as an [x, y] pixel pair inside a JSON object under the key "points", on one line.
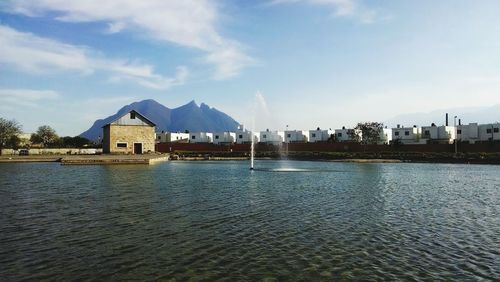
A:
{"points": [[24, 152]]}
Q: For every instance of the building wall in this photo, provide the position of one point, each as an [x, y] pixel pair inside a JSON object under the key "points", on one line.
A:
{"points": [[408, 135], [128, 134], [385, 136], [331, 147], [489, 131], [444, 134], [319, 135], [342, 135], [244, 137], [272, 137], [171, 137], [292, 136], [200, 137], [468, 133], [224, 137]]}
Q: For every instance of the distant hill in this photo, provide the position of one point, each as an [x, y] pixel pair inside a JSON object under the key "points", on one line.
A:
{"points": [[467, 115], [188, 117]]}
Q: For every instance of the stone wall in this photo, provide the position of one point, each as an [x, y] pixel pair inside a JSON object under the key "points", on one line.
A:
{"points": [[131, 134]]}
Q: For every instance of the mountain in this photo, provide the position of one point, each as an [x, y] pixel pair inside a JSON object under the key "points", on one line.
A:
{"points": [[466, 115], [188, 117]]}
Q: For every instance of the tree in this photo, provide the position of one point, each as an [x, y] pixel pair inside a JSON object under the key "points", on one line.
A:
{"points": [[45, 135], [9, 130], [75, 142], [370, 131]]}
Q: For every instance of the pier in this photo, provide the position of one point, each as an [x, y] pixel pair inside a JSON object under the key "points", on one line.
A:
{"points": [[89, 159]]}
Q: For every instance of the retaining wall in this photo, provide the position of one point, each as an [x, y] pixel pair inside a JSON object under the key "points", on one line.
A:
{"points": [[328, 147]]}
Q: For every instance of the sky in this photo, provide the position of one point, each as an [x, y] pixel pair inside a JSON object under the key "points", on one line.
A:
{"points": [[310, 63]]}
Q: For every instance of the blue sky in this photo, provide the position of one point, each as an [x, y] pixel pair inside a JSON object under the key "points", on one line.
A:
{"points": [[326, 63]]}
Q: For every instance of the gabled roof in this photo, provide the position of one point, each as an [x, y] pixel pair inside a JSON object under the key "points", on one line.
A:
{"points": [[145, 119]]}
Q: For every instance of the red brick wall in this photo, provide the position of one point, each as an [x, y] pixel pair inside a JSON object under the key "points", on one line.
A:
{"points": [[327, 147]]}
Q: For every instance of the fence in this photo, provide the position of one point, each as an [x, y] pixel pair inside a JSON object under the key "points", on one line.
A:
{"points": [[328, 147]]}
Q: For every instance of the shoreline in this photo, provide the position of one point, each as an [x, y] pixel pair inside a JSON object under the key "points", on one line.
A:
{"points": [[364, 157], [407, 157], [146, 159]]}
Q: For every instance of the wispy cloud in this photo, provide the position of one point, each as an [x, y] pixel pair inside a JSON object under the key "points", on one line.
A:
{"points": [[188, 23], [33, 54], [341, 8], [26, 97]]}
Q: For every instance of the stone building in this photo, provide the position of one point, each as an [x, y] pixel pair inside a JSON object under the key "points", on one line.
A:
{"points": [[132, 133]]}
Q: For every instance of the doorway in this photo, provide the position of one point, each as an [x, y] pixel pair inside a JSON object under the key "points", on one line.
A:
{"points": [[138, 148]]}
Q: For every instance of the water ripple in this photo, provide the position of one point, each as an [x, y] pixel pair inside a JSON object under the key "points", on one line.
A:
{"points": [[219, 221]]}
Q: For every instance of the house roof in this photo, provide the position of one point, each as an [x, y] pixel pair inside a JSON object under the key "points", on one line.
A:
{"points": [[132, 111]]}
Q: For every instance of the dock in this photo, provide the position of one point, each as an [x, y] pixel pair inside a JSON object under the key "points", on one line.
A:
{"points": [[89, 159]]}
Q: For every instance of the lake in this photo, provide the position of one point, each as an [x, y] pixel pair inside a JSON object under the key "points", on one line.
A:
{"points": [[219, 221]]}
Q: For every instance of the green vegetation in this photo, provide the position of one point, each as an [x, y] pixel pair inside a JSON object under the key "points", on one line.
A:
{"points": [[369, 130], [9, 131], [45, 135]]}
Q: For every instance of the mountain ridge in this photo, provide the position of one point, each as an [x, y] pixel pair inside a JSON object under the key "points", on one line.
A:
{"points": [[186, 117]]}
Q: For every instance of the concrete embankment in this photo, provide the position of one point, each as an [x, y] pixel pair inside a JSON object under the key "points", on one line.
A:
{"points": [[88, 159], [359, 157]]}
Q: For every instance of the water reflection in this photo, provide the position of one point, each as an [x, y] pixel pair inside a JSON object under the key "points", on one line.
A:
{"points": [[218, 220]]}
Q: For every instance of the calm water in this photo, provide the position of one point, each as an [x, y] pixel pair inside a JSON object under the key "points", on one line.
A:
{"points": [[218, 220]]}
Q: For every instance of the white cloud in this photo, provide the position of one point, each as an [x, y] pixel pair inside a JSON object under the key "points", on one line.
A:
{"points": [[26, 97], [30, 53], [188, 23], [342, 8]]}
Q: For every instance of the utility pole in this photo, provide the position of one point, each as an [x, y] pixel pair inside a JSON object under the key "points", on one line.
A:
{"points": [[456, 143]]}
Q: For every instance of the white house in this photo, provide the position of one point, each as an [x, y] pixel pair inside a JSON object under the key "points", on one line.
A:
{"points": [[224, 137], [245, 137], [407, 135], [200, 137], [272, 137], [385, 136], [489, 132], [438, 134], [167, 137], [468, 133], [345, 134], [296, 136], [319, 135]]}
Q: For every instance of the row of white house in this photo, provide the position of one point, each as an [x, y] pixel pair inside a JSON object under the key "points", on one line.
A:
{"points": [[470, 133], [243, 136]]}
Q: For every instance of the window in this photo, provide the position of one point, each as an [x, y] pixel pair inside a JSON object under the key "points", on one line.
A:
{"points": [[264, 136], [132, 115], [216, 136], [289, 135], [313, 135], [159, 137], [407, 133], [427, 133], [488, 130], [495, 130], [193, 137], [240, 136], [459, 131], [396, 133], [339, 134], [121, 145]]}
